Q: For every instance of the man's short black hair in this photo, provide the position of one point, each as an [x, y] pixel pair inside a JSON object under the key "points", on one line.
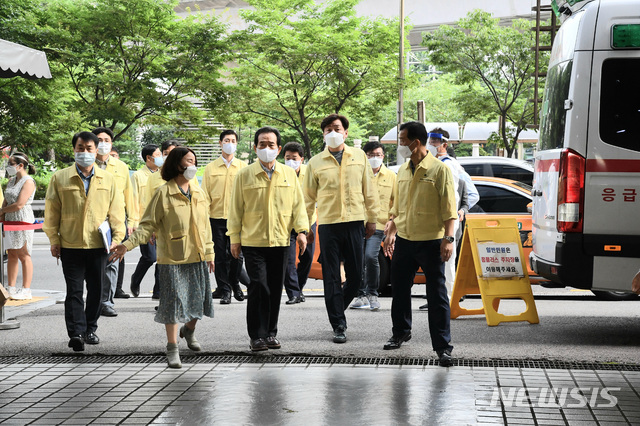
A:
{"points": [[114, 149], [106, 130], [442, 131], [172, 167], [333, 117], [228, 132], [266, 129], [370, 146], [171, 142], [86, 137], [148, 150], [293, 147], [415, 130]]}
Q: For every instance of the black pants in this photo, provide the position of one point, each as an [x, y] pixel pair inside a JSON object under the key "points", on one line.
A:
{"points": [[340, 241], [266, 267], [78, 266], [147, 259], [228, 268], [296, 277], [407, 257]]}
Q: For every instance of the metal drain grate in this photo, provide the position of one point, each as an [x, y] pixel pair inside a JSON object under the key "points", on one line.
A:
{"points": [[302, 360]]}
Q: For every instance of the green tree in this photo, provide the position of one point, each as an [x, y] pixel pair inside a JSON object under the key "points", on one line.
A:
{"points": [[298, 61], [33, 116], [136, 61], [481, 53]]}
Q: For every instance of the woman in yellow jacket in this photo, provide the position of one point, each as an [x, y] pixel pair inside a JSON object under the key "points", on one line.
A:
{"points": [[178, 213]]}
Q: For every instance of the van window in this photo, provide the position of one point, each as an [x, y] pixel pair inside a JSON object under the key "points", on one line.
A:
{"points": [[553, 112], [476, 170], [620, 103]]}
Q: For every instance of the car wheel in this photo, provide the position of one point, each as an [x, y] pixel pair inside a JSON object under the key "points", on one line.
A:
{"points": [[384, 287], [614, 295]]}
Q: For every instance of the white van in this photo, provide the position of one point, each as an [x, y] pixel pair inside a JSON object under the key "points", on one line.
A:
{"points": [[586, 189]]}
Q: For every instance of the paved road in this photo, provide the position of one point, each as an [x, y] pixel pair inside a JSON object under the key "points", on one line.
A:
{"points": [[574, 326]]}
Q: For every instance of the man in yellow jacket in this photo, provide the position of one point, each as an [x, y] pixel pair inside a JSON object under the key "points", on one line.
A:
{"points": [[120, 172], [423, 215], [296, 277], [339, 180], [217, 182], [384, 180], [79, 199], [266, 204], [152, 158]]}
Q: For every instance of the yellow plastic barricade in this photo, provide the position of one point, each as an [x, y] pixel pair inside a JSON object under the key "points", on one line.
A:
{"points": [[492, 263]]}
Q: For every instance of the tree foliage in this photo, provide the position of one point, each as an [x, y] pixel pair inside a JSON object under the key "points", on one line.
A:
{"points": [[131, 61], [298, 61], [482, 54]]}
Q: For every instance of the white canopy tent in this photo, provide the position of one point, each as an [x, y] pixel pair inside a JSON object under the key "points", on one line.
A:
{"points": [[17, 60], [454, 134]]}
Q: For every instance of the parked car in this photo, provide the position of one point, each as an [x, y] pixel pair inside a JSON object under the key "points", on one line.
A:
{"points": [[502, 167], [499, 198]]}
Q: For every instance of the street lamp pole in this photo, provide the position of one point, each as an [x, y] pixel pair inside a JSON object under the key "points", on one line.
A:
{"points": [[401, 71]]}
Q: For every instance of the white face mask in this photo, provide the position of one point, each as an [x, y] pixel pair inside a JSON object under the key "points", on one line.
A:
{"points": [[334, 139], [267, 155], [432, 149], [375, 162], [11, 170], [104, 148], [229, 148], [84, 159], [190, 172], [405, 150], [293, 164]]}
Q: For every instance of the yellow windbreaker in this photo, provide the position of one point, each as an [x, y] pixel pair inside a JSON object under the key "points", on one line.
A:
{"points": [[344, 192], [72, 218], [217, 183], [301, 174], [263, 211], [139, 181], [384, 182], [424, 200], [183, 232], [123, 184], [155, 181]]}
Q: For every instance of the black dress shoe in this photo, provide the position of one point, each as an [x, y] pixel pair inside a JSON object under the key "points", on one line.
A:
{"points": [[225, 299], [135, 290], [217, 293], [258, 344], [76, 343], [292, 300], [120, 294], [396, 341], [92, 339], [108, 311], [273, 343], [238, 294], [302, 299], [339, 335], [155, 296], [445, 359]]}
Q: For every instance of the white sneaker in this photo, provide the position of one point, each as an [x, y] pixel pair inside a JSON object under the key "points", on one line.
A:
{"points": [[12, 291], [374, 305], [22, 294], [360, 303]]}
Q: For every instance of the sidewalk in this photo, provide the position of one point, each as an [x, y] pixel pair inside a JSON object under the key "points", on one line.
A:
{"points": [[271, 390]]}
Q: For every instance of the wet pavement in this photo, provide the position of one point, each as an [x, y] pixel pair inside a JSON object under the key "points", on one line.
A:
{"points": [[273, 390]]}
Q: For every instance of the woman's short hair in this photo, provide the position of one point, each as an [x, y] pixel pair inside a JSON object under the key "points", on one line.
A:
{"points": [[171, 167]]}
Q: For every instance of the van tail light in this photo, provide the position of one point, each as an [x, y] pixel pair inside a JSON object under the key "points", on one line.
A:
{"points": [[571, 191]]}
